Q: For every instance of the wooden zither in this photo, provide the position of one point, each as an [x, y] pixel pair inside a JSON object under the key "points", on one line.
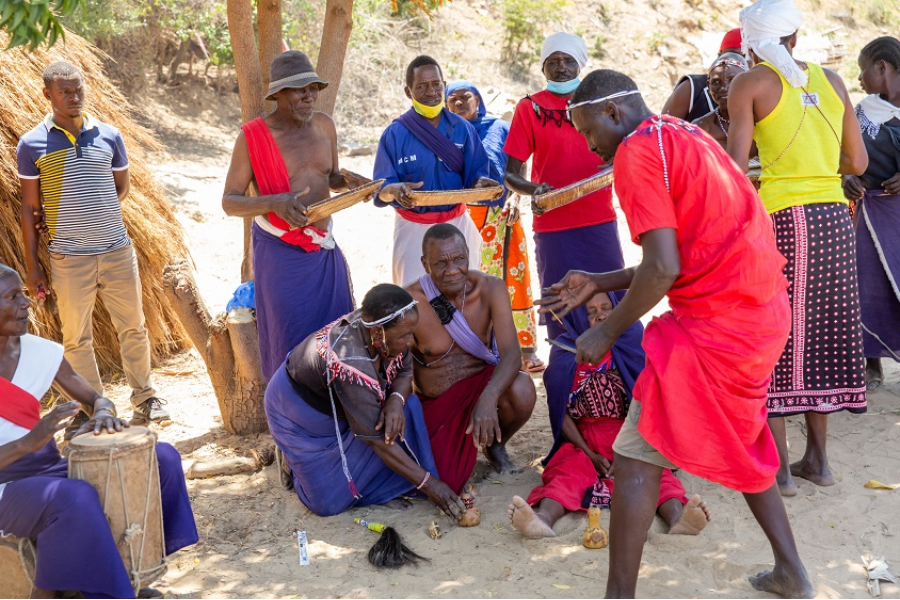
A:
{"points": [[445, 197], [327, 207], [572, 192]]}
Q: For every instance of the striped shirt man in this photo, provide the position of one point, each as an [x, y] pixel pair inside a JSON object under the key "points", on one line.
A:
{"points": [[81, 206]]}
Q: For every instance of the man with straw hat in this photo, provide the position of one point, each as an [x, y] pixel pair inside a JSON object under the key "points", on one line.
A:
{"points": [[74, 170], [291, 156], [807, 135]]}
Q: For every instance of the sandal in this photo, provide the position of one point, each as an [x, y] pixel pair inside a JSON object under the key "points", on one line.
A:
{"points": [[532, 364]]}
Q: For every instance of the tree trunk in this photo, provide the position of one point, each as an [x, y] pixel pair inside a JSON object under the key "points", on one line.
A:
{"points": [[250, 87], [268, 19], [228, 346], [246, 58], [333, 50]]}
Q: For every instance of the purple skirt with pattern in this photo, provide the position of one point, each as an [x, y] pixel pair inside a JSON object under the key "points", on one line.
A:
{"points": [[822, 368]]}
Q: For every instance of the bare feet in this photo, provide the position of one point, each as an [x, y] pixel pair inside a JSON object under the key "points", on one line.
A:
{"points": [[874, 373], [786, 486], [780, 582], [497, 456], [397, 504], [818, 474], [531, 363], [527, 522], [693, 519]]}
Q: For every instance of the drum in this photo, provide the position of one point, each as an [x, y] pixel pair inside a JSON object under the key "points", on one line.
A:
{"points": [[123, 469], [17, 560]]}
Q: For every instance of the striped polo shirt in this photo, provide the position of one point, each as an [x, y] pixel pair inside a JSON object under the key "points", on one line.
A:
{"points": [[81, 207]]}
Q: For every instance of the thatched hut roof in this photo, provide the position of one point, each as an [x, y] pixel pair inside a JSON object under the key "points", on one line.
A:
{"points": [[151, 223]]}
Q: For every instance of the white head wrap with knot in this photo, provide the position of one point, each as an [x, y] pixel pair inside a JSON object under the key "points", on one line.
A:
{"points": [[763, 24], [569, 43]]}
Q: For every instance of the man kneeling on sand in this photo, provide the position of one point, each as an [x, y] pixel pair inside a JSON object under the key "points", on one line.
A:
{"points": [[588, 404], [467, 360]]}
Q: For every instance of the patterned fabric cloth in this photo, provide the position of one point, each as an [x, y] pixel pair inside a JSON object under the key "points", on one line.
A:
{"points": [[821, 368], [598, 391], [504, 254]]}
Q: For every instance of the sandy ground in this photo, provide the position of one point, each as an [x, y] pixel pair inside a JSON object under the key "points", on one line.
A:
{"points": [[247, 523]]}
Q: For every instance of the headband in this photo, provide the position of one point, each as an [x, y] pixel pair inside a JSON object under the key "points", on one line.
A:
{"points": [[598, 100], [729, 62], [387, 319]]}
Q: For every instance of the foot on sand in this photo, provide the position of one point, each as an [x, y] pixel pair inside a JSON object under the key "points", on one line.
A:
{"points": [[787, 487], [778, 582], [693, 519], [874, 378], [527, 522], [818, 474], [497, 456]]}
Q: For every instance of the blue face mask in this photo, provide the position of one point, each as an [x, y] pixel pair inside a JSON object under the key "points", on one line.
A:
{"points": [[563, 88]]}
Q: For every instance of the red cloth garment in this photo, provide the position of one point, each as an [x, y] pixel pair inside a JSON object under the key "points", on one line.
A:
{"points": [[570, 472], [560, 156], [18, 406], [270, 173], [447, 417], [432, 218], [709, 359]]}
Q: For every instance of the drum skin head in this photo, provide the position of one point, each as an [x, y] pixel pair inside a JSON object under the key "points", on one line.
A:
{"points": [[126, 437]]}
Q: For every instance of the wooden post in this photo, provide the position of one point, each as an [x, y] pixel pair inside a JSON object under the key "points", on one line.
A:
{"points": [[228, 346]]}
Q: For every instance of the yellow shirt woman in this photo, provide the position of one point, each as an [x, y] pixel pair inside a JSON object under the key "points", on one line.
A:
{"points": [[799, 145]]}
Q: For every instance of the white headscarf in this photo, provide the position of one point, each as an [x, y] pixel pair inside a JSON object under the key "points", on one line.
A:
{"points": [[763, 24], [569, 43], [873, 111]]}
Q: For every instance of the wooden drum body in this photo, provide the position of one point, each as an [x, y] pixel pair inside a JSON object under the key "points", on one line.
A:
{"points": [[123, 469], [17, 561]]}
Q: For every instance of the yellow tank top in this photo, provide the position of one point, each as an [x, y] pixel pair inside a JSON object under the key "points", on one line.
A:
{"points": [[803, 169]]}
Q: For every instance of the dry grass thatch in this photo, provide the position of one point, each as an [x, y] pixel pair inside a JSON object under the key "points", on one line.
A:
{"points": [[157, 236]]}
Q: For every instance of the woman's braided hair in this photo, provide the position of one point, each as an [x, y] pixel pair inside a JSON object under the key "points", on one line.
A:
{"points": [[885, 48]]}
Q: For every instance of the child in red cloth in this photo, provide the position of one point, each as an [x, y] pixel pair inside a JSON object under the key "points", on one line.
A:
{"points": [[579, 473]]}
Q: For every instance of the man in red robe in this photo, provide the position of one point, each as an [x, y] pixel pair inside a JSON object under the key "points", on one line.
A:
{"points": [[700, 402]]}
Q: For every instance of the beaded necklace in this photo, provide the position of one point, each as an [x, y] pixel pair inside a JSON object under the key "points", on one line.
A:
{"points": [[722, 121]]}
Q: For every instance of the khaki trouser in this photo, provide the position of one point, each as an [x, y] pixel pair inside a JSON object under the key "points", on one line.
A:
{"points": [[76, 281]]}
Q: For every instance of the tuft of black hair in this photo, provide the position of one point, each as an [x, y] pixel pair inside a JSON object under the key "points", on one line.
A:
{"points": [[389, 552]]}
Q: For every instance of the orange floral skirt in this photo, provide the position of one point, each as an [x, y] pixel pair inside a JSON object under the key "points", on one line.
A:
{"points": [[500, 239]]}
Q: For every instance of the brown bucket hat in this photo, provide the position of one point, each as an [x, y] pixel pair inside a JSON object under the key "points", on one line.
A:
{"points": [[292, 69]]}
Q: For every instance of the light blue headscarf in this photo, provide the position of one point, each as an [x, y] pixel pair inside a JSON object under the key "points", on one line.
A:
{"points": [[491, 130]]}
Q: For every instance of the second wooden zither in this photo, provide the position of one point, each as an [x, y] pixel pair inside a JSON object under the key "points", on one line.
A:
{"points": [[572, 192]]}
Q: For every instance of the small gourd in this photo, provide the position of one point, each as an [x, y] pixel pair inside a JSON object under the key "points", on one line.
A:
{"points": [[594, 537], [472, 516]]}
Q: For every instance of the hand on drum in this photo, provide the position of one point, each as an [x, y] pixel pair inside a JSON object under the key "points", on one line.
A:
{"points": [[576, 288], [104, 418], [54, 421]]}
